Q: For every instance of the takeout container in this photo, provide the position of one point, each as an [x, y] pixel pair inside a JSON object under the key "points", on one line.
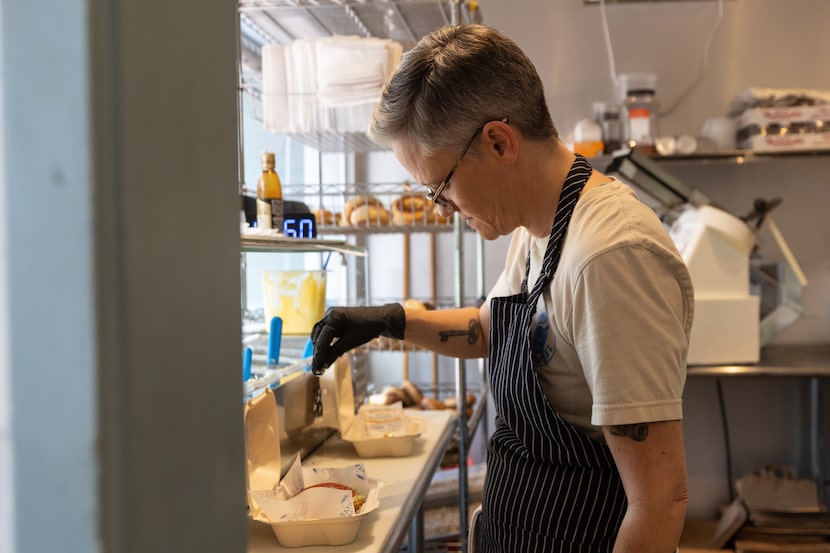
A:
{"points": [[368, 445], [263, 472], [296, 297], [394, 437], [331, 531]]}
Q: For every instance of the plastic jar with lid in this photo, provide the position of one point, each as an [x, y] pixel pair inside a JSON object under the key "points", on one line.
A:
{"points": [[641, 107], [588, 138]]}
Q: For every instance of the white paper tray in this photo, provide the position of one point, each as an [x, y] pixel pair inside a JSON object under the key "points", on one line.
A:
{"points": [[328, 531], [333, 531], [390, 446]]}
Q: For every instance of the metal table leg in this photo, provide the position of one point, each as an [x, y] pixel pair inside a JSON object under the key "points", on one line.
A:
{"points": [[416, 532], [817, 438]]}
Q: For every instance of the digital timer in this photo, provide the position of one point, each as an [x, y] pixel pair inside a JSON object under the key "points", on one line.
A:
{"points": [[299, 225]]}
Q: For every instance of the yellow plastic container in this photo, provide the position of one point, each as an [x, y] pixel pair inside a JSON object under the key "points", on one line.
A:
{"points": [[297, 297]]}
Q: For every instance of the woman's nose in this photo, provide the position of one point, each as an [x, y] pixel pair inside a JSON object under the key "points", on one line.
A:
{"points": [[445, 211]]}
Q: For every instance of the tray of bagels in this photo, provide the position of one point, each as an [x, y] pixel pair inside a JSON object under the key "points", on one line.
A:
{"points": [[412, 396], [408, 209]]}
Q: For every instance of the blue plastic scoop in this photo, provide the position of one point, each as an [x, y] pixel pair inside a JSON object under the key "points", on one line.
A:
{"points": [[274, 341]]}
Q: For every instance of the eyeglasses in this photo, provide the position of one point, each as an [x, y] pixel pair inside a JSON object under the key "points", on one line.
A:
{"points": [[435, 195]]}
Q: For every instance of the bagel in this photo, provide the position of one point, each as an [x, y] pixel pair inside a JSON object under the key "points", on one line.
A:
{"points": [[354, 203], [432, 404], [369, 215], [452, 402], [412, 303], [324, 217], [411, 209], [393, 395], [412, 393]]}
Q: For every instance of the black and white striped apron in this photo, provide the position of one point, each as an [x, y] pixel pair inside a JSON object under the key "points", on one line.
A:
{"points": [[549, 487]]}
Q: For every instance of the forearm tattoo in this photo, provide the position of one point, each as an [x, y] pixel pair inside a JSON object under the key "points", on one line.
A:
{"points": [[472, 333], [637, 432]]}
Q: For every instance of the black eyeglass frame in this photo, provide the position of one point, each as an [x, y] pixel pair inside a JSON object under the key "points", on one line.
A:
{"points": [[435, 195]]}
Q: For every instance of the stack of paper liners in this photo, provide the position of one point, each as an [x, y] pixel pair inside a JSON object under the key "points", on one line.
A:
{"points": [[775, 512], [329, 84]]}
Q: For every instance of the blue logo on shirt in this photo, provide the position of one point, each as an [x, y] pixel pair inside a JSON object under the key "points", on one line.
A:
{"points": [[542, 340]]}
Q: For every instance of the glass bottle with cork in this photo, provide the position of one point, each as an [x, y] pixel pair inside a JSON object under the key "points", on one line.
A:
{"points": [[269, 205], [641, 107]]}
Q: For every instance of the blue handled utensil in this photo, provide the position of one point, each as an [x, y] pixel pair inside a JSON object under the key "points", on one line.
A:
{"points": [[247, 356], [274, 341], [308, 351]]}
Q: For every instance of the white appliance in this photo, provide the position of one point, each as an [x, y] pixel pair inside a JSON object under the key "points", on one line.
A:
{"points": [[716, 247], [740, 305]]}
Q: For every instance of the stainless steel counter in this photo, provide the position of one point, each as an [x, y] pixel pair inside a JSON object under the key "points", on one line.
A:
{"points": [[405, 482], [801, 361]]}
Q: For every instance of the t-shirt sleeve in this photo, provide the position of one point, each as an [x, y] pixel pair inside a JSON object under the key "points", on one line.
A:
{"points": [[630, 322]]}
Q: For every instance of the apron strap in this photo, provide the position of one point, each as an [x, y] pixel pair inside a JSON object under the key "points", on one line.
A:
{"points": [[578, 175]]}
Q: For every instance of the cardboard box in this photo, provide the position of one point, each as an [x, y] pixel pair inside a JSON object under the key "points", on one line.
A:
{"points": [[807, 142], [783, 115]]}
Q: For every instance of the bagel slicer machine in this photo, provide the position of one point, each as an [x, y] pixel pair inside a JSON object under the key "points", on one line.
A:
{"points": [[741, 302]]}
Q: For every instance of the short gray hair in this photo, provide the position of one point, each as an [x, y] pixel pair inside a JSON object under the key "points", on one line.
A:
{"points": [[452, 82]]}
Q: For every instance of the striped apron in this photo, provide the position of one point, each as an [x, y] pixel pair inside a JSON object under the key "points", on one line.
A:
{"points": [[548, 486]]}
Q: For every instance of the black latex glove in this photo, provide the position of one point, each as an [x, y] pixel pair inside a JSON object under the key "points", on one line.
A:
{"points": [[349, 327]]}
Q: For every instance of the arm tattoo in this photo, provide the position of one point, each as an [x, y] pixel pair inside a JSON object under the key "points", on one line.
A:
{"points": [[472, 333], [637, 432]]}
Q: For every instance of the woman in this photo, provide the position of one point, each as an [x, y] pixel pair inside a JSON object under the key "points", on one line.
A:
{"points": [[587, 327]]}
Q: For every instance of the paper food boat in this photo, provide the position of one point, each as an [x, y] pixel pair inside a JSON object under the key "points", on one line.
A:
{"points": [[322, 531], [376, 430], [395, 444]]}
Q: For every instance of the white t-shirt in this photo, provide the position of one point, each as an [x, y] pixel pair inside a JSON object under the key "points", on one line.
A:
{"points": [[611, 331]]}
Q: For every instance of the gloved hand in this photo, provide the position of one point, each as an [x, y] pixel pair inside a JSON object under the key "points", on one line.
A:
{"points": [[345, 328]]}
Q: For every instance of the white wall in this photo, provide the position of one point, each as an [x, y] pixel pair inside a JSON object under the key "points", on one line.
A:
{"points": [[771, 43]]}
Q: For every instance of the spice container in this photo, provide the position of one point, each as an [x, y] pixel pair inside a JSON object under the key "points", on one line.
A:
{"points": [[608, 117], [588, 138]]}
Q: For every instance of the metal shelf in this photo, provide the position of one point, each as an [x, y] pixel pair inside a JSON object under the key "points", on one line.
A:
{"points": [[800, 361], [735, 157], [332, 230], [278, 243], [811, 362], [284, 21], [405, 21]]}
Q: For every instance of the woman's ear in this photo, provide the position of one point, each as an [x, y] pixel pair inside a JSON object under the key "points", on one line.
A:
{"points": [[501, 140]]}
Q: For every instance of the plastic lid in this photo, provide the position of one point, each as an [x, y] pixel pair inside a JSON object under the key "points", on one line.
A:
{"points": [[637, 83], [587, 130], [268, 159], [606, 109]]}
